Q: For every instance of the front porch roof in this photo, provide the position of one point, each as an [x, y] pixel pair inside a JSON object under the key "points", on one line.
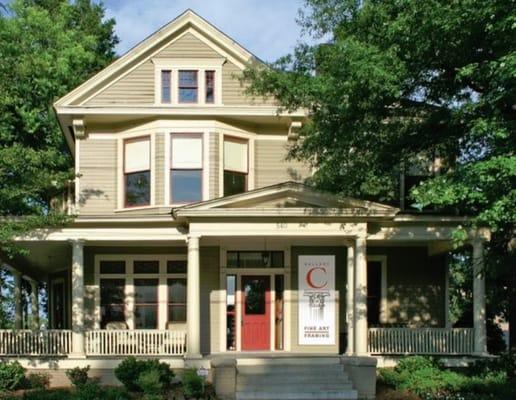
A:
{"points": [[289, 199]]}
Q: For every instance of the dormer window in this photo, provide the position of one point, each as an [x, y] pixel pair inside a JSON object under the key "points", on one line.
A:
{"points": [[188, 87], [188, 82], [137, 175]]}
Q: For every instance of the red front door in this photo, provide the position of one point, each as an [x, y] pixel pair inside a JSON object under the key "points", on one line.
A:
{"points": [[256, 308]]}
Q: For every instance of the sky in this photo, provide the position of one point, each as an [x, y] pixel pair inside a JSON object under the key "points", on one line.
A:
{"points": [[267, 28]]}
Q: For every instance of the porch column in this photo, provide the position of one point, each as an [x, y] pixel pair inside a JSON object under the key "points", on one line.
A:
{"points": [[78, 298], [350, 298], [360, 334], [479, 298], [34, 297], [193, 293], [18, 310]]}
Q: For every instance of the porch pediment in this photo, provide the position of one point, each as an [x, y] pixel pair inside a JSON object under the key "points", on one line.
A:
{"points": [[285, 199]]}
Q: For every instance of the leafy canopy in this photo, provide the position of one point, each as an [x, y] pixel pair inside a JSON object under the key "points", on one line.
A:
{"points": [[47, 47]]}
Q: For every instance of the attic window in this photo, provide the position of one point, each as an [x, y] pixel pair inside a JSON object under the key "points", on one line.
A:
{"points": [[188, 86], [166, 80]]}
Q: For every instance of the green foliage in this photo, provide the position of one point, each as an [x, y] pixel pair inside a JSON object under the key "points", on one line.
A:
{"points": [[193, 384], [38, 380], [56, 394], [90, 390], [12, 375], [130, 369], [400, 81], [424, 377], [78, 376], [115, 393], [149, 382]]}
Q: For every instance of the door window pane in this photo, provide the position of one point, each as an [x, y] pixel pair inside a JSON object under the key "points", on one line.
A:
{"points": [[255, 290], [230, 312], [255, 259], [146, 303], [374, 288]]}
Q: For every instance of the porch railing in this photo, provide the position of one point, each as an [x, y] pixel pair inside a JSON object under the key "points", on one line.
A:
{"points": [[32, 343], [420, 340], [135, 342]]}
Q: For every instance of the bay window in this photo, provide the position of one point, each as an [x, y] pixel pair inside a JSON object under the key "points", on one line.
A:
{"points": [[235, 166], [137, 174], [186, 168]]}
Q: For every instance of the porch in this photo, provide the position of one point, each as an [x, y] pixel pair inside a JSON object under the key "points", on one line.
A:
{"points": [[165, 343]]}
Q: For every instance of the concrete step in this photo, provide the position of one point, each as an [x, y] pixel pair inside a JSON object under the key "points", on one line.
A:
{"points": [[329, 370], [297, 387], [264, 379], [313, 395], [290, 361]]}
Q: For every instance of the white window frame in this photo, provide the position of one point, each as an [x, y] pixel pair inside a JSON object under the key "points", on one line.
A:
{"points": [[205, 161], [174, 65], [250, 158], [120, 170], [382, 259], [129, 278]]}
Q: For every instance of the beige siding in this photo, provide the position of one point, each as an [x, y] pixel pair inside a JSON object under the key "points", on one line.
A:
{"points": [[272, 168], [233, 90], [137, 87], [210, 292], [415, 286], [98, 167], [160, 168], [188, 46], [214, 165]]}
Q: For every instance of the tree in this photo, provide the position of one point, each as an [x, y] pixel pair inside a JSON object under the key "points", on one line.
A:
{"points": [[399, 79], [47, 47]]}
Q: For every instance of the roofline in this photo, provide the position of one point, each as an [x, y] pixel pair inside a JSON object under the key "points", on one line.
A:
{"points": [[188, 16]]}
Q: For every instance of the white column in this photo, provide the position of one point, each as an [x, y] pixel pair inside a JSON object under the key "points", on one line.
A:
{"points": [[18, 310], [78, 298], [34, 297], [479, 298], [350, 298], [360, 334], [193, 309]]}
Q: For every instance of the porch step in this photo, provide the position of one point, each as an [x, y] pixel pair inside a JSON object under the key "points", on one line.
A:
{"points": [[293, 379]]}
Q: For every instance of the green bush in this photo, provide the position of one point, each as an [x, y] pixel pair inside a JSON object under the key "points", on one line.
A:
{"points": [[115, 393], [78, 376], [90, 390], [129, 371], [60, 394], [12, 375], [149, 382], [193, 384], [38, 380]]}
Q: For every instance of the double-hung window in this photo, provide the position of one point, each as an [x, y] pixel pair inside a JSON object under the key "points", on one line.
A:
{"points": [[137, 174], [235, 166], [146, 303], [188, 86], [112, 301], [186, 168], [177, 300]]}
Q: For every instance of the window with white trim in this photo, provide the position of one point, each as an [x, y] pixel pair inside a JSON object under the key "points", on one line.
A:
{"points": [[166, 86], [186, 170], [236, 165], [188, 86], [137, 174]]}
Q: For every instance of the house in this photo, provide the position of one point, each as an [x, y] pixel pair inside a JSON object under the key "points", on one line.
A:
{"points": [[195, 241]]}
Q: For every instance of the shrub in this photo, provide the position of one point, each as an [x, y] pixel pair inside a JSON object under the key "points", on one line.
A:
{"points": [[78, 376], [416, 363], [90, 390], [115, 393], [38, 380], [149, 382], [129, 371], [12, 375], [193, 384], [60, 394]]}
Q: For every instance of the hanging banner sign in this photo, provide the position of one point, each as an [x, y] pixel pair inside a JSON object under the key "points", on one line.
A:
{"points": [[316, 300]]}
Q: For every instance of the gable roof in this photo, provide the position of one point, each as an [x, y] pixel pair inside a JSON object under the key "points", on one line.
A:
{"points": [[152, 44], [285, 199]]}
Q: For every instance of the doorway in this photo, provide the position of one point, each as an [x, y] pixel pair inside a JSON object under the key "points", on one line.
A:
{"points": [[256, 312]]}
